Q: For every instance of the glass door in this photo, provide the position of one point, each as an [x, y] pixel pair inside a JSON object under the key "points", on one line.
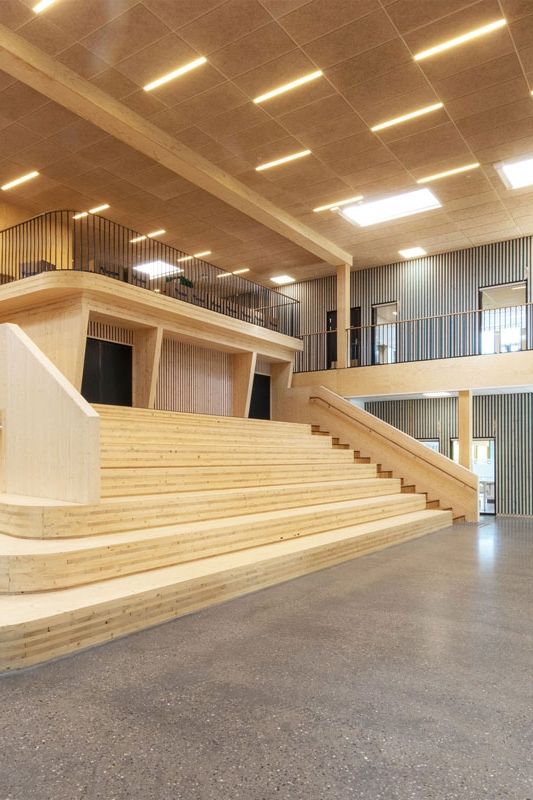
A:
{"points": [[484, 466], [384, 318], [503, 320]]}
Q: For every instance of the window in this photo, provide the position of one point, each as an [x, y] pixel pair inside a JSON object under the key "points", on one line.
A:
{"points": [[433, 444], [484, 466], [503, 323], [384, 333]]}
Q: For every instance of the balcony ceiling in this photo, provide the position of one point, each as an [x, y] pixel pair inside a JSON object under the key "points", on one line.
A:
{"points": [[365, 49]]}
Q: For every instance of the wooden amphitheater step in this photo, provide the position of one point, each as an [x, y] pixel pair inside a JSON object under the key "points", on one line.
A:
{"points": [[130, 456], [138, 480], [31, 565], [34, 520], [135, 416], [38, 627]]}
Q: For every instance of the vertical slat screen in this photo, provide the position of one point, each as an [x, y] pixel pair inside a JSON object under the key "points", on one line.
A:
{"points": [[194, 379], [111, 333], [508, 418]]}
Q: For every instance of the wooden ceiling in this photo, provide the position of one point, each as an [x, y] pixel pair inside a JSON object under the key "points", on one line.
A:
{"points": [[365, 49]]}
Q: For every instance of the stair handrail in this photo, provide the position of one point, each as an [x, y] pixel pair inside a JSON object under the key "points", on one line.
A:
{"points": [[372, 424]]}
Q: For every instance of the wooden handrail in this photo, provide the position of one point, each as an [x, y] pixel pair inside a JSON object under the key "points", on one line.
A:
{"points": [[387, 439]]}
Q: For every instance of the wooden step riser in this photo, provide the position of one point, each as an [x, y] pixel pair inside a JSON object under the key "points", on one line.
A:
{"points": [[121, 482], [154, 512], [147, 460], [132, 416], [48, 637], [233, 437], [43, 572], [211, 443]]}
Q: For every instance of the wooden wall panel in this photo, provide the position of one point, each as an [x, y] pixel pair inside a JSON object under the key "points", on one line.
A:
{"points": [[194, 379]]}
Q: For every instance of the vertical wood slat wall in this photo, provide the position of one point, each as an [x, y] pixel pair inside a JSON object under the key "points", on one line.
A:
{"points": [[508, 418], [190, 378]]}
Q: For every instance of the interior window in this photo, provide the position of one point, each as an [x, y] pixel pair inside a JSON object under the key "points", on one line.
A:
{"points": [[384, 318], [503, 321]]}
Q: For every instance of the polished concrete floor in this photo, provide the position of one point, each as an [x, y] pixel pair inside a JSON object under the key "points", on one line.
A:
{"points": [[404, 675]]}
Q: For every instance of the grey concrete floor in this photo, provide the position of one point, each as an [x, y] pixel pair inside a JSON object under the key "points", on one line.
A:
{"points": [[404, 674]]}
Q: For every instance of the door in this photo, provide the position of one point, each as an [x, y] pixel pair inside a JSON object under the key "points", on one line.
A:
{"points": [[503, 318], [384, 317], [355, 337], [331, 340], [484, 466], [260, 401], [107, 373]]}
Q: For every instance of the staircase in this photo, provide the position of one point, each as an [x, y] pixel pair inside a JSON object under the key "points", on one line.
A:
{"points": [[195, 510]]}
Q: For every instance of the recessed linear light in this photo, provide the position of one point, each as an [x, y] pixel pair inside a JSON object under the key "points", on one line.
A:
{"points": [[148, 236], [283, 280], [18, 181], [157, 269], [311, 76], [137, 239], [405, 117], [437, 394], [438, 175], [80, 215], [96, 209], [394, 207], [516, 174], [413, 252], [339, 203], [176, 73], [457, 40], [44, 4], [195, 255], [236, 272], [284, 160]]}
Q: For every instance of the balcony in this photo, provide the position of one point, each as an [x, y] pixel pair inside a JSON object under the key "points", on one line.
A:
{"points": [[58, 240]]}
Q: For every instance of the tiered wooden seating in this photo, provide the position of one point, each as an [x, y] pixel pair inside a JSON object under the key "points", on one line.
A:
{"points": [[195, 510]]}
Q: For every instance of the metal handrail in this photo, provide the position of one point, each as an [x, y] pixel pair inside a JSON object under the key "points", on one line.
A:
{"points": [[436, 316]]}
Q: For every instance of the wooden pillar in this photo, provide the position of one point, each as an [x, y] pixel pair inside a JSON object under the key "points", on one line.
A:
{"points": [[280, 382], [465, 427], [146, 357], [343, 314], [243, 378]]}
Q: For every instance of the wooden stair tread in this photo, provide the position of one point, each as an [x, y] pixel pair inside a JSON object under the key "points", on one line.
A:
{"points": [[18, 609]]}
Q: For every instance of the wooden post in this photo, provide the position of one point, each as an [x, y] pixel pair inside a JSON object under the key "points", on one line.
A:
{"points": [[243, 379], [146, 356], [280, 382], [465, 427], [343, 314]]}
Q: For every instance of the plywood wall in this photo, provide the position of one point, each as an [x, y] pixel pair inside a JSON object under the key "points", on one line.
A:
{"points": [[194, 379]]}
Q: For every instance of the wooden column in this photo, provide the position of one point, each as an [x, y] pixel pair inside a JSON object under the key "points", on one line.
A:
{"points": [[465, 427], [280, 381], [343, 314], [243, 378], [146, 357]]}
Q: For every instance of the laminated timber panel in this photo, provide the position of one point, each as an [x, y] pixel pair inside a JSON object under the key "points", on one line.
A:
{"points": [[43, 626]]}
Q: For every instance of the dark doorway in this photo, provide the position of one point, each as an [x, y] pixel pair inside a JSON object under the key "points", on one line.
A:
{"points": [[260, 402], [107, 373], [331, 338]]}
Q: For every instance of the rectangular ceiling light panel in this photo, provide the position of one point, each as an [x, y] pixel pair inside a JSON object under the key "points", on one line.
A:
{"points": [[282, 280], [157, 269], [389, 208], [413, 252], [516, 174], [339, 203]]}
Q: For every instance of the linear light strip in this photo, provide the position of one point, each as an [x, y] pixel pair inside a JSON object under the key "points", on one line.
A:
{"points": [[44, 4], [96, 209], [438, 175], [176, 73], [458, 40], [339, 203], [18, 181], [405, 117], [284, 160], [311, 76]]}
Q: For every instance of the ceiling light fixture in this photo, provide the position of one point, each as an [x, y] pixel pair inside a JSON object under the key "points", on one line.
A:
{"points": [[282, 280], [80, 215], [18, 181], [458, 40], [437, 394], [44, 4], [137, 238], [236, 272], [393, 207], [202, 254], [176, 73], [413, 252], [160, 232], [438, 175], [157, 269], [516, 174], [405, 117], [311, 76], [96, 209], [284, 160], [241, 271], [339, 203]]}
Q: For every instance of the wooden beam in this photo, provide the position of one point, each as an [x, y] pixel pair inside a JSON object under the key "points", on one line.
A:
{"points": [[343, 314], [243, 379], [35, 68]]}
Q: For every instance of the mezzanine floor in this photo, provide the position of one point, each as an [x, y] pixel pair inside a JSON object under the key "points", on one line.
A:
{"points": [[403, 675]]}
